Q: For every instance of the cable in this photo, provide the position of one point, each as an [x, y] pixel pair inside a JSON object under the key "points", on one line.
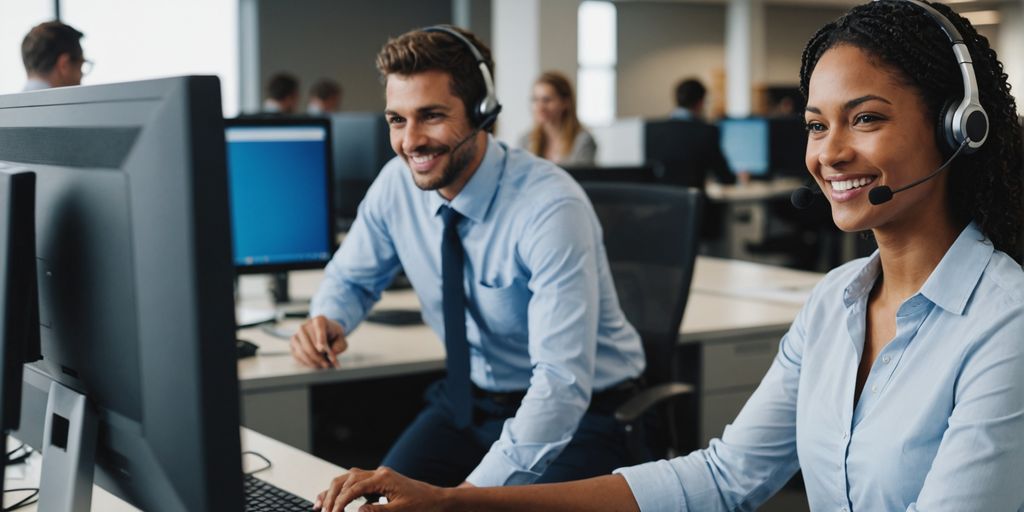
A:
{"points": [[34, 497], [18, 459], [260, 470], [277, 332]]}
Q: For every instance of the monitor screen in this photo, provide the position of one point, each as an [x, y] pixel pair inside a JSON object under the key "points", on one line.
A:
{"points": [[788, 139], [745, 144], [135, 286], [362, 145], [280, 177]]}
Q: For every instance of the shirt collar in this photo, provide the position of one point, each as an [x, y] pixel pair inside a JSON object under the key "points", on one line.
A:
{"points": [[952, 282], [35, 84], [682, 113], [863, 281], [475, 199]]}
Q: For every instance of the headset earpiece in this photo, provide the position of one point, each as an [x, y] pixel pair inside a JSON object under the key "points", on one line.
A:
{"points": [[963, 121], [483, 114]]}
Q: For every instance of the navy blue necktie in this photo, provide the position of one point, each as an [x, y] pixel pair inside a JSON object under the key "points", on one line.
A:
{"points": [[454, 296]]}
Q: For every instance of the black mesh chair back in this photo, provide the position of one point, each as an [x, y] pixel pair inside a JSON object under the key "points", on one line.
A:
{"points": [[651, 236], [618, 174]]}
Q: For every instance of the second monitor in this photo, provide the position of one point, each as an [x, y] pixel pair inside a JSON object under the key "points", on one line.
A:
{"points": [[745, 145], [279, 173]]}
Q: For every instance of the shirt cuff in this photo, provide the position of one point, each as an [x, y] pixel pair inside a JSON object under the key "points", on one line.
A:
{"points": [[495, 470], [655, 486], [335, 312]]}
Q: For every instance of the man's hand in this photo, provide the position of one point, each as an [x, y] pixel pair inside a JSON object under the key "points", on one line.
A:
{"points": [[403, 494], [318, 342]]}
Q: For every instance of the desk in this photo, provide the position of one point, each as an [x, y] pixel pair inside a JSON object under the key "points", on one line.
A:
{"points": [[294, 471], [731, 326], [754, 191], [744, 216]]}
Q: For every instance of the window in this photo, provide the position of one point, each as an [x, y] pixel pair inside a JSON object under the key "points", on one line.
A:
{"points": [[141, 39], [17, 18], [597, 59]]}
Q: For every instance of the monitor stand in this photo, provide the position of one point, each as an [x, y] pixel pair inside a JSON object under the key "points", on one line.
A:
{"points": [[283, 299], [281, 305], [69, 452]]}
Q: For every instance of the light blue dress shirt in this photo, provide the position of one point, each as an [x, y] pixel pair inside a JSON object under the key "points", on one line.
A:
{"points": [[542, 311], [682, 114], [34, 84], [939, 424]]}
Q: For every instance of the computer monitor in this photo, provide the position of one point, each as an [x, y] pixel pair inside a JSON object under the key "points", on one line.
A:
{"points": [[745, 144], [19, 311], [787, 145], [362, 145], [135, 281], [279, 175]]}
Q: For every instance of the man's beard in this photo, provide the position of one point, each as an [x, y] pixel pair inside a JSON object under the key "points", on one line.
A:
{"points": [[457, 165]]}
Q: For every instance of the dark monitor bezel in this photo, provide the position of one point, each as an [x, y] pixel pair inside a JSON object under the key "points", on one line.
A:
{"points": [[185, 450], [291, 121]]}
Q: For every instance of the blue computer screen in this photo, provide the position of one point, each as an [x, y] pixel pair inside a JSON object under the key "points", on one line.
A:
{"points": [[745, 145], [279, 200]]}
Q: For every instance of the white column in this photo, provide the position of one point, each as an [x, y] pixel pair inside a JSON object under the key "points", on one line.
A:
{"points": [[249, 55], [461, 13], [744, 54], [516, 52]]}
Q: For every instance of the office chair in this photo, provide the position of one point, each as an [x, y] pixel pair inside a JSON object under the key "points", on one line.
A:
{"points": [[621, 174], [687, 151], [651, 238]]}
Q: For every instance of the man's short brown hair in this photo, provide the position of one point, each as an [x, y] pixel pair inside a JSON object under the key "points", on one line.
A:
{"points": [[325, 89], [419, 51], [46, 42]]}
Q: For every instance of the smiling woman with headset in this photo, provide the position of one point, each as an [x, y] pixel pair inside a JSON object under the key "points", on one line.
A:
{"points": [[898, 386]]}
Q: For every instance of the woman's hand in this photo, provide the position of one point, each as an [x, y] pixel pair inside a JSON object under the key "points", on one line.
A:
{"points": [[402, 493]]}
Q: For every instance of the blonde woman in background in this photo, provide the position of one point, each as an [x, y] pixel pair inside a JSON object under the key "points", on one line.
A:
{"points": [[557, 134]]}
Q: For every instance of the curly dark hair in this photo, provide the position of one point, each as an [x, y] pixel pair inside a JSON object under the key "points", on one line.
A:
{"points": [[985, 186]]}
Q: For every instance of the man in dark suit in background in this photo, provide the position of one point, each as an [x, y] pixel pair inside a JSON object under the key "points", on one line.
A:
{"points": [[685, 145]]}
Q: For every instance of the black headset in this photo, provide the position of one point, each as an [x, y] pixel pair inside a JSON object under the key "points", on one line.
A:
{"points": [[486, 111], [964, 122]]}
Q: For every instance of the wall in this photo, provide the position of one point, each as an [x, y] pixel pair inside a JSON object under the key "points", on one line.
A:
{"points": [[787, 30], [339, 40], [663, 42], [660, 43]]}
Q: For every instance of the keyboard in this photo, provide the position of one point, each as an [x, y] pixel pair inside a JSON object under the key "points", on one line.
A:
{"points": [[261, 496]]}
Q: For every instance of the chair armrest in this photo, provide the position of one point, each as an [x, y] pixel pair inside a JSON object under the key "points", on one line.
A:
{"points": [[640, 403]]}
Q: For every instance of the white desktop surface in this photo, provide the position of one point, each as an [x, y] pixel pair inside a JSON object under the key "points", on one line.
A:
{"points": [[748, 280], [293, 470], [755, 190], [728, 297]]}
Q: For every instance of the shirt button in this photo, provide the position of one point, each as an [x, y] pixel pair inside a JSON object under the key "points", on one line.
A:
{"points": [[846, 435], [886, 359], [844, 509], [874, 388]]}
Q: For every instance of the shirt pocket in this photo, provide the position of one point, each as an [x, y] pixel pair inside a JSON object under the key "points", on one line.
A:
{"points": [[500, 306]]}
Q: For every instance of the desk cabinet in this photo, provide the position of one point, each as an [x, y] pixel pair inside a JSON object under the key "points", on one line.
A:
{"points": [[729, 372]]}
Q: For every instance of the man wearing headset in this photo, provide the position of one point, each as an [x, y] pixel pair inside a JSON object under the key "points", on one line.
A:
{"points": [[505, 254]]}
